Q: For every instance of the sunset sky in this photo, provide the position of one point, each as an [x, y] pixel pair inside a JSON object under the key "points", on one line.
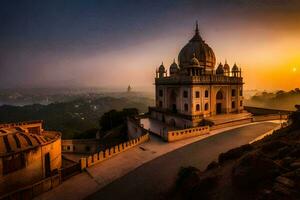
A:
{"points": [[66, 43]]}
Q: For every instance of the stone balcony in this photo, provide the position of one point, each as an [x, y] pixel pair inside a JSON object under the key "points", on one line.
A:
{"points": [[203, 79]]}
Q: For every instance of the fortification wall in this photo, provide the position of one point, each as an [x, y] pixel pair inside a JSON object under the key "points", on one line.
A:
{"points": [[270, 117], [186, 133], [265, 111], [108, 153]]}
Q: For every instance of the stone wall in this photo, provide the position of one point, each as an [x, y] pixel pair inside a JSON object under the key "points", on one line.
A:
{"points": [[80, 146], [34, 169], [108, 153], [265, 111], [134, 128], [232, 123], [186, 133], [270, 117], [31, 191]]}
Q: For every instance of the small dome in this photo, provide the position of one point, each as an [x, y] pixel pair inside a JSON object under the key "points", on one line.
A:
{"points": [[220, 69], [174, 68], [235, 68], [161, 68], [194, 61], [226, 66]]}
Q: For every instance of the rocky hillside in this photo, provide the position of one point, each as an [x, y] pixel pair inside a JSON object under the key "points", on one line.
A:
{"points": [[264, 170]]}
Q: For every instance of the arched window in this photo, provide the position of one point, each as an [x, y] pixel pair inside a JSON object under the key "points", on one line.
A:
{"points": [[219, 95], [206, 93], [197, 107], [160, 92], [185, 94], [233, 92], [233, 104], [197, 94], [186, 107], [206, 106], [160, 104]]}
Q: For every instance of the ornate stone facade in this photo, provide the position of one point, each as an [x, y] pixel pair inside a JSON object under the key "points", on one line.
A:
{"points": [[194, 89]]}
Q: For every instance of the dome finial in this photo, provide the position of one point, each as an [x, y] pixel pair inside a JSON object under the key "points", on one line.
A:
{"points": [[197, 29], [225, 61], [174, 60]]}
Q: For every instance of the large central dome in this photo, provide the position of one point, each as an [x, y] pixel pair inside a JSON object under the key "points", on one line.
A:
{"points": [[198, 48]]}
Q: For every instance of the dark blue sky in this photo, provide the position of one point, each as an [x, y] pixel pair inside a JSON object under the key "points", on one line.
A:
{"points": [[52, 43]]}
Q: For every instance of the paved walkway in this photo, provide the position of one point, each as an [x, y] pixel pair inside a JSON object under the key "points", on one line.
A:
{"points": [[100, 175]]}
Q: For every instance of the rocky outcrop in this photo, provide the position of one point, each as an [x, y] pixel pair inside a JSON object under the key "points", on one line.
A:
{"points": [[267, 169]]}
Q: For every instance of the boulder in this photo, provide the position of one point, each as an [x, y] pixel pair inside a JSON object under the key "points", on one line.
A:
{"points": [[253, 169], [212, 165], [295, 165], [285, 181], [187, 178], [273, 146], [282, 189]]}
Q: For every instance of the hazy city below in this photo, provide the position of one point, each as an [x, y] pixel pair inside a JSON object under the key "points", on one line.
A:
{"points": [[46, 96], [76, 111]]}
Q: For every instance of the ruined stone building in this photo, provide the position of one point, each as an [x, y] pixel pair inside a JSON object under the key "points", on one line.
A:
{"points": [[28, 154]]}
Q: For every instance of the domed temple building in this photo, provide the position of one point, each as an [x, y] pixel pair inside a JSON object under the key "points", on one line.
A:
{"points": [[196, 88], [28, 154]]}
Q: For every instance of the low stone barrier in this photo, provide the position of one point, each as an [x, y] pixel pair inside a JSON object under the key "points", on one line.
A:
{"points": [[108, 153], [270, 117], [31, 191], [232, 123], [186, 133]]}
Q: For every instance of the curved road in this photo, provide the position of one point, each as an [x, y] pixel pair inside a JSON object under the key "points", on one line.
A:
{"points": [[154, 178]]}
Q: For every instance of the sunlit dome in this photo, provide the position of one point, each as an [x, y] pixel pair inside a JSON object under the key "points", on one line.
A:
{"points": [[202, 51]]}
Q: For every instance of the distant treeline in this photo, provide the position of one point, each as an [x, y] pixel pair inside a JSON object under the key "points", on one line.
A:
{"points": [[282, 100], [75, 119]]}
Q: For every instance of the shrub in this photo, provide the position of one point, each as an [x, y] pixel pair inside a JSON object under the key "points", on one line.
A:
{"points": [[206, 122]]}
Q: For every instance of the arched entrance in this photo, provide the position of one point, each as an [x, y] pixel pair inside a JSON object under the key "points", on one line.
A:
{"points": [[219, 101], [172, 123], [172, 101]]}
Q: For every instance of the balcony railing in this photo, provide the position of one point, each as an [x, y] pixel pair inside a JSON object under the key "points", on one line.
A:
{"points": [[203, 79]]}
